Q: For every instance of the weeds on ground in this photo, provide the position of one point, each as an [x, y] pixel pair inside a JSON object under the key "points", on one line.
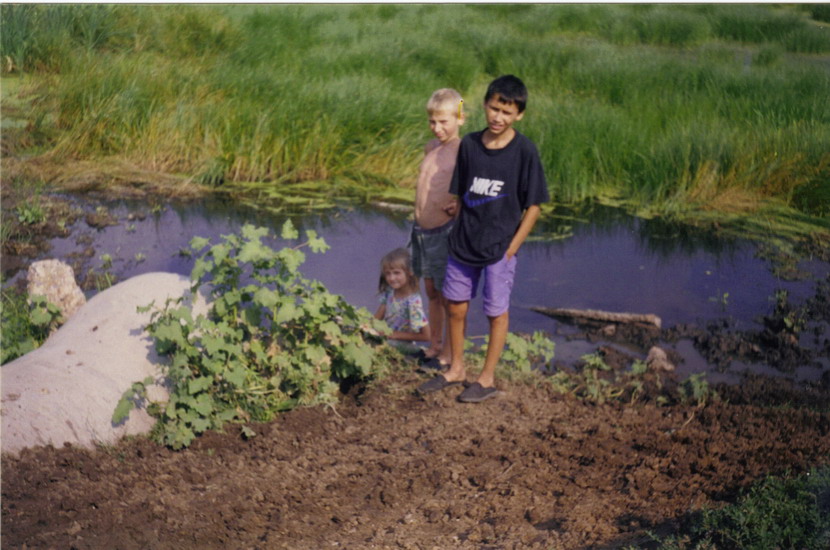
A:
{"points": [[775, 513], [272, 340], [595, 381], [26, 322], [31, 212], [696, 390], [525, 359], [522, 357]]}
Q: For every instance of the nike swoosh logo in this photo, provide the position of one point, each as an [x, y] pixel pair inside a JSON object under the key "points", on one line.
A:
{"points": [[472, 203]]}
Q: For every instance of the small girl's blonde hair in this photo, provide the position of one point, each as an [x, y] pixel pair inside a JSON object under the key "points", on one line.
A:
{"points": [[445, 99], [398, 258]]}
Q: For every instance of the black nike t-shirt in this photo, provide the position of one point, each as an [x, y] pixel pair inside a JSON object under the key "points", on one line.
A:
{"points": [[495, 186]]}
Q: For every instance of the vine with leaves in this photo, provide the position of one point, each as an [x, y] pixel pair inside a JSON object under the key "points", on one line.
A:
{"points": [[272, 339]]}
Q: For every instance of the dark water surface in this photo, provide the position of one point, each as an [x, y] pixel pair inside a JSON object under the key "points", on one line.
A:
{"points": [[611, 262]]}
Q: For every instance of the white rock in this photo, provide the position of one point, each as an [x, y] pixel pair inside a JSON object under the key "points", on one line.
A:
{"points": [[67, 390], [657, 359], [56, 281]]}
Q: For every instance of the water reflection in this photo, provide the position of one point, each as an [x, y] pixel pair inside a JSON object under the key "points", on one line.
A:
{"points": [[609, 261]]}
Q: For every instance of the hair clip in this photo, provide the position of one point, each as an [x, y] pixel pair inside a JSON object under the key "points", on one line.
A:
{"points": [[460, 106]]}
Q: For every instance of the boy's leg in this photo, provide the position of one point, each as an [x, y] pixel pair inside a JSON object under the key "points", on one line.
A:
{"points": [[498, 284], [459, 288], [498, 336], [435, 309], [435, 255], [457, 313], [445, 357]]}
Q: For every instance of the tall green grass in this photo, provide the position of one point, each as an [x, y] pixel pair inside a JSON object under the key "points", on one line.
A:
{"points": [[673, 107]]}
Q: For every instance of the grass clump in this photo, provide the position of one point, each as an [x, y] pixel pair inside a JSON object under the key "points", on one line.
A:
{"points": [[778, 512]]}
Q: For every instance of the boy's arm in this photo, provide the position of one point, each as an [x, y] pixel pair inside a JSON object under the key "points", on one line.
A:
{"points": [[528, 221], [451, 209]]}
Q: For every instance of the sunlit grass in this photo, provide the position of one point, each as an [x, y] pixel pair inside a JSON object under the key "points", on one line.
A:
{"points": [[676, 108]]}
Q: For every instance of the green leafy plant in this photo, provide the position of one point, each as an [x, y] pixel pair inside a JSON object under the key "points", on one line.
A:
{"points": [[589, 383], [595, 381], [695, 389], [521, 354], [774, 513], [30, 213], [271, 340], [793, 320], [26, 323]]}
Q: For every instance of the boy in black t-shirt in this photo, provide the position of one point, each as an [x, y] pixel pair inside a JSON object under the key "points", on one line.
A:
{"points": [[500, 183]]}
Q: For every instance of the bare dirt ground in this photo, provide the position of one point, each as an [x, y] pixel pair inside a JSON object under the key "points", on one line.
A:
{"points": [[387, 469]]}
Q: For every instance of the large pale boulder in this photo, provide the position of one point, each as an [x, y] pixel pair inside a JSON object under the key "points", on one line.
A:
{"points": [[66, 390], [55, 280]]}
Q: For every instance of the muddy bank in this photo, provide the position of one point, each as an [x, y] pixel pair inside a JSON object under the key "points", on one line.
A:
{"points": [[385, 469]]}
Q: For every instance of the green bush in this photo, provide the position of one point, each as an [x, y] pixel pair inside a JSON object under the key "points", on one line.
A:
{"points": [[265, 346], [780, 513], [26, 323]]}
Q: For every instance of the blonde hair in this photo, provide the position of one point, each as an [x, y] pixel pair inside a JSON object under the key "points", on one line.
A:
{"points": [[445, 99], [398, 258]]}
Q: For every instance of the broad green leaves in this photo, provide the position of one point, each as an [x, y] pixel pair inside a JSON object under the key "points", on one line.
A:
{"points": [[264, 347], [26, 323]]}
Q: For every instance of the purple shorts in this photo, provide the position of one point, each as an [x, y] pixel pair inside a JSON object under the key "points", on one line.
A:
{"points": [[461, 282]]}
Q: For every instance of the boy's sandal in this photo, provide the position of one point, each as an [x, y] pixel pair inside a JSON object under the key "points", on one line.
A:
{"points": [[435, 384], [476, 393]]}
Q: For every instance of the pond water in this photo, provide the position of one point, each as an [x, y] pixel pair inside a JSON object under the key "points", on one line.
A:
{"points": [[610, 261]]}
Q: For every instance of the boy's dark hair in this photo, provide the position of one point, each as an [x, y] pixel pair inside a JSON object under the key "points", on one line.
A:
{"points": [[510, 89]]}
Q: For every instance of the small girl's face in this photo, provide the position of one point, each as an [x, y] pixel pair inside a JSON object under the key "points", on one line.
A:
{"points": [[396, 277]]}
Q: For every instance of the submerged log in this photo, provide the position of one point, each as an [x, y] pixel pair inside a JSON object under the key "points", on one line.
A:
{"points": [[595, 315]]}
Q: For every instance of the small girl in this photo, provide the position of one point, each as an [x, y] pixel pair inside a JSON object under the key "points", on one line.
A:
{"points": [[400, 302]]}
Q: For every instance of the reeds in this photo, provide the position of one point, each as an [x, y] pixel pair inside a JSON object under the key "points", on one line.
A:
{"points": [[675, 107]]}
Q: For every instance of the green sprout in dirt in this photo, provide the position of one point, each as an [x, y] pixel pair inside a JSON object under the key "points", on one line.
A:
{"points": [[522, 355], [597, 382], [590, 384], [26, 323], [272, 340], [786, 317], [696, 390], [31, 213]]}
